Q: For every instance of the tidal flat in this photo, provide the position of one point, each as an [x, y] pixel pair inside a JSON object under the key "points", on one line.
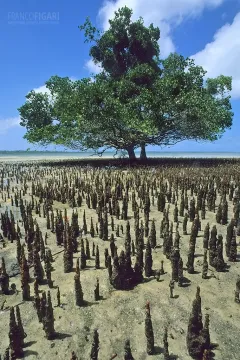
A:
{"points": [[135, 212]]}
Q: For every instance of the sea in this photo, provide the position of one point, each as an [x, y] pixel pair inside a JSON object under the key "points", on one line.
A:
{"points": [[47, 155]]}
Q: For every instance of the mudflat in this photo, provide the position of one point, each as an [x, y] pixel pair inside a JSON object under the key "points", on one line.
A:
{"points": [[120, 314]]}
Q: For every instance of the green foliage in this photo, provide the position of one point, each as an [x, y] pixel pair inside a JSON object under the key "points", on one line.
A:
{"points": [[125, 45], [136, 100]]}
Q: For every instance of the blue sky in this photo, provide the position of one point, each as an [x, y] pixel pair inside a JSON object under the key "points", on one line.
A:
{"points": [[41, 38]]}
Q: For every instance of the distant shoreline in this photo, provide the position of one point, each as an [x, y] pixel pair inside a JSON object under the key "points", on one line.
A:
{"points": [[40, 156], [25, 152]]}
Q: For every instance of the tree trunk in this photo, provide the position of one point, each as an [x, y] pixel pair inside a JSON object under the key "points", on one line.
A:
{"points": [[143, 154], [131, 153]]}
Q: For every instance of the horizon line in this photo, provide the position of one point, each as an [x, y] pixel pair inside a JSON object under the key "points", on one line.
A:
{"points": [[109, 151], [112, 151]]}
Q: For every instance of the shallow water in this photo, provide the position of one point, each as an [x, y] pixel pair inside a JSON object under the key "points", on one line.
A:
{"points": [[51, 155]]}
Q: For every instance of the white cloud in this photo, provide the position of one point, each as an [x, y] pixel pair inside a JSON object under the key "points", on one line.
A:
{"points": [[8, 123], [42, 89], [162, 13], [222, 55], [93, 68]]}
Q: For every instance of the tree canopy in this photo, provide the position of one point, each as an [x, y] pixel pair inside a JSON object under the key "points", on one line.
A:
{"points": [[137, 99]]}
